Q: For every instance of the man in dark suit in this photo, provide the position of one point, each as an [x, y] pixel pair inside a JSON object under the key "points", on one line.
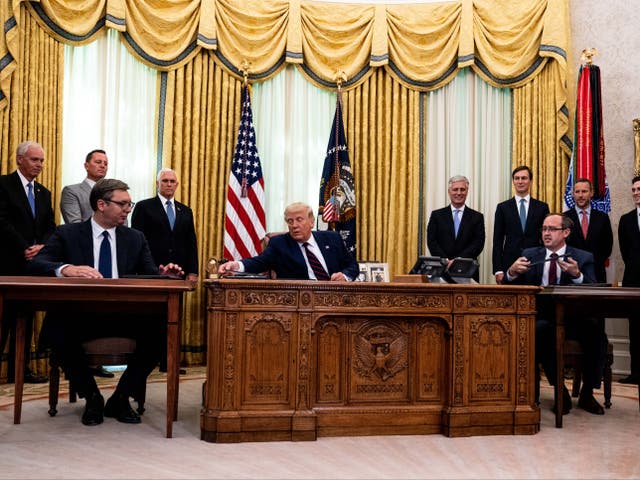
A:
{"points": [[169, 228], [629, 240], [556, 263], [301, 254], [456, 230], [26, 221], [517, 223], [101, 247]]}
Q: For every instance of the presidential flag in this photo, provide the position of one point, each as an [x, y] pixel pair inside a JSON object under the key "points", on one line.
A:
{"points": [[337, 202], [245, 222], [587, 156]]}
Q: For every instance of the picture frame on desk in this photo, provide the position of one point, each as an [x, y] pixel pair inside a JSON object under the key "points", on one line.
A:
{"points": [[363, 276], [378, 272]]}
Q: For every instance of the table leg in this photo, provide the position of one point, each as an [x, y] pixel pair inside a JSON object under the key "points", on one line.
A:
{"points": [[173, 363], [559, 387], [21, 320]]}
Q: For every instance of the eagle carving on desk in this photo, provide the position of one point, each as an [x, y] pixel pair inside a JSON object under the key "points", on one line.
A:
{"points": [[380, 356]]}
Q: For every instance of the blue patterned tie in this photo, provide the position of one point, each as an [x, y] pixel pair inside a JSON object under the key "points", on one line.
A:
{"points": [[456, 221], [104, 260], [31, 198], [523, 214], [171, 214]]}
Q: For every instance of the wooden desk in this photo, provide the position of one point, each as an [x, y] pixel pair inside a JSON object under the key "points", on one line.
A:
{"points": [[293, 360], [585, 300], [105, 295]]}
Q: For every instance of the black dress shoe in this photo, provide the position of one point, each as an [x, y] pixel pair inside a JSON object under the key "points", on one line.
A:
{"points": [[33, 378], [118, 407], [101, 372], [93, 411], [630, 380], [590, 404], [566, 402]]}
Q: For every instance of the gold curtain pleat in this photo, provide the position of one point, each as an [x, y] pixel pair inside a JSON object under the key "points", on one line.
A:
{"points": [[386, 167], [35, 113], [201, 116], [539, 127]]}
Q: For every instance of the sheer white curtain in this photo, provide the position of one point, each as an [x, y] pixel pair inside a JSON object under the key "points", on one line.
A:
{"points": [[292, 120], [109, 103], [469, 133]]}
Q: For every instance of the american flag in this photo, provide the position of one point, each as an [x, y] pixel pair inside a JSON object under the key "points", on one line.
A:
{"points": [[245, 222]]}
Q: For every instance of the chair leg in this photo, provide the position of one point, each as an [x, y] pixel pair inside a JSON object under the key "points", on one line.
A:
{"points": [[607, 377], [54, 388]]}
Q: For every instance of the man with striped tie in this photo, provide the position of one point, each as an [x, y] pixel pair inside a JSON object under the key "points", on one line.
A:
{"points": [[301, 254]]}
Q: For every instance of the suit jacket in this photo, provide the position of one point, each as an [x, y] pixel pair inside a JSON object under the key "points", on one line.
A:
{"points": [[508, 238], [629, 239], [73, 243], [599, 239], [178, 245], [74, 202], [284, 256], [441, 238], [533, 276], [18, 228]]}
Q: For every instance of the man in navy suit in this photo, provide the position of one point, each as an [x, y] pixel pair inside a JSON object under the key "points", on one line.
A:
{"points": [[24, 227], [629, 239], [301, 254], [456, 230], [517, 223], [101, 247], [556, 263]]}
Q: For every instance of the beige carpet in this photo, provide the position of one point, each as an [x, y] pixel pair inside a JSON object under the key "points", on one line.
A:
{"points": [[61, 447]]}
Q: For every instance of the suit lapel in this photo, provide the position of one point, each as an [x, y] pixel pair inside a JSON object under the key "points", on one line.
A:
{"points": [[121, 252], [86, 244], [162, 213], [21, 194]]}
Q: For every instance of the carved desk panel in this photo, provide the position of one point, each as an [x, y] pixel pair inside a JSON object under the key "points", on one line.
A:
{"points": [[291, 360]]}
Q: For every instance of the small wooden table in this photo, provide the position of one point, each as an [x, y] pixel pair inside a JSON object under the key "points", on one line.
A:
{"points": [[104, 295], [585, 300]]}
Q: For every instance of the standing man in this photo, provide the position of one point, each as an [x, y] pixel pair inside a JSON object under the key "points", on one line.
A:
{"points": [[456, 230], [74, 201], [101, 248], [301, 254], [592, 228], [26, 221], [557, 263], [629, 239], [517, 223], [75, 206], [169, 228]]}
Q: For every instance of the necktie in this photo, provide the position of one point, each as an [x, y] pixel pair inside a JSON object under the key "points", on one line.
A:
{"points": [[171, 214], [553, 269], [31, 198], [456, 221], [584, 223], [523, 214], [316, 266], [104, 260]]}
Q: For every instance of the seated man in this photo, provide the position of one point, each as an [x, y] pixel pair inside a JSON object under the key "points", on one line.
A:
{"points": [[301, 254], [560, 264], [101, 247]]}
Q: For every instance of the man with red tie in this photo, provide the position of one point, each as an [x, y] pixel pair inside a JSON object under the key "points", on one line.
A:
{"points": [[301, 254]]}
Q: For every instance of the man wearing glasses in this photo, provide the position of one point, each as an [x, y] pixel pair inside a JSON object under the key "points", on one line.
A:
{"points": [[101, 247], [557, 263]]}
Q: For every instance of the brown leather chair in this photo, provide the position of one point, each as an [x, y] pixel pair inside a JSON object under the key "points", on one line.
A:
{"points": [[101, 351], [573, 358]]}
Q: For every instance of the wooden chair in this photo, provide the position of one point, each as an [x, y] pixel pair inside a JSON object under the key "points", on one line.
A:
{"points": [[573, 358], [101, 351]]}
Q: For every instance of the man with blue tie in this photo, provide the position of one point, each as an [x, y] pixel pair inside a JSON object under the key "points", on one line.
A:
{"points": [[26, 221], [517, 223], [456, 230], [301, 254], [101, 247]]}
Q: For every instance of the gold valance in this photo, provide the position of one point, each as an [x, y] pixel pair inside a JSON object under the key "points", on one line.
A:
{"points": [[423, 46]]}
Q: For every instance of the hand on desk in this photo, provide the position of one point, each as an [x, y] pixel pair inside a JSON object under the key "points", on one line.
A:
{"points": [[172, 269], [228, 268], [83, 271]]}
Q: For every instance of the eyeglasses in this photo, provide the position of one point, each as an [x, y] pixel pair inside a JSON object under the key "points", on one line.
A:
{"points": [[121, 204], [551, 229]]}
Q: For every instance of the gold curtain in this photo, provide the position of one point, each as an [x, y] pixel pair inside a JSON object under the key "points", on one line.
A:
{"points": [[201, 114], [34, 113]]}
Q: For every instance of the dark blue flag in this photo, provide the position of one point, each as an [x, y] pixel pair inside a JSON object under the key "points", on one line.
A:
{"points": [[337, 203]]}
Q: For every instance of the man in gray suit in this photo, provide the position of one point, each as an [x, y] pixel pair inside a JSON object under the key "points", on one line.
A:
{"points": [[76, 208], [74, 202]]}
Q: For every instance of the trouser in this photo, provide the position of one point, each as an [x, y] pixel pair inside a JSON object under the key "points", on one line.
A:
{"points": [[634, 344], [8, 330], [589, 332]]}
